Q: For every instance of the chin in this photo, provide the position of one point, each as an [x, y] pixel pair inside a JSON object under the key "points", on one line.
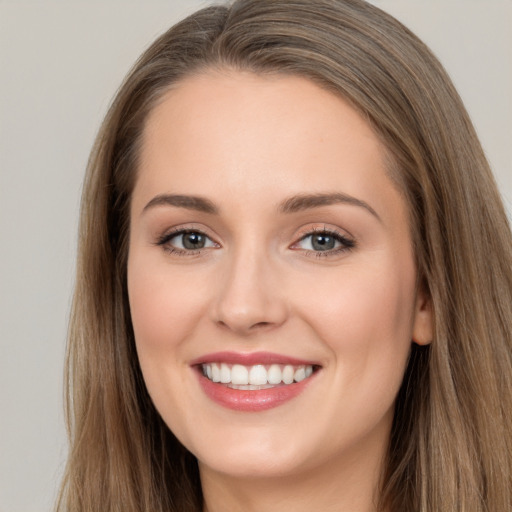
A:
{"points": [[266, 455], [255, 465]]}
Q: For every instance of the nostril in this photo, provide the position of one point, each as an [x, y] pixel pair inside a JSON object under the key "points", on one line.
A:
{"points": [[254, 327], [260, 325]]}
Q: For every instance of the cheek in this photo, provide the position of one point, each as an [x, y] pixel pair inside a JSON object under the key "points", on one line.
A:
{"points": [[165, 307], [361, 299], [364, 314], [165, 310]]}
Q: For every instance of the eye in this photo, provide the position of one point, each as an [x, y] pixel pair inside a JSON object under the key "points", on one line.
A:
{"points": [[186, 241], [324, 241]]}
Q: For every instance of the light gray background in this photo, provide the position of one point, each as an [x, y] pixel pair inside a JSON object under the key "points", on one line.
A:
{"points": [[60, 64]]}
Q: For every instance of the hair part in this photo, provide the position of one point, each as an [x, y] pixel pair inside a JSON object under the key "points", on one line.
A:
{"points": [[451, 442]]}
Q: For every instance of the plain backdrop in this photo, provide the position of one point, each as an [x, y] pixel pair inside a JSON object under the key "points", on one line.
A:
{"points": [[60, 64]]}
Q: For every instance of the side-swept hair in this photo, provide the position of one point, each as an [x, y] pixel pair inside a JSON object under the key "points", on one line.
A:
{"points": [[451, 441]]}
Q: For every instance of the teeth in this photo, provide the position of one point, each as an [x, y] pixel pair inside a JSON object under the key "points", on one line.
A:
{"points": [[300, 374], [288, 373], [254, 377], [215, 371], [225, 374], [239, 375], [249, 387], [258, 375], [274, 374]]}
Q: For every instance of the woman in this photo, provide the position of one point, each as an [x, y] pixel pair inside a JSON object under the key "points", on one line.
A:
{"points": [[294, 278]]}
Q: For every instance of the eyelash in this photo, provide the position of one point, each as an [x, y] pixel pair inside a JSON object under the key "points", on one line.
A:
{"points": [[164, 240], [346, 244]]}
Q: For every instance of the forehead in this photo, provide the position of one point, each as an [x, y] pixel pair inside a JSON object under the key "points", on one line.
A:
{"points": [[227, 101], [255, 137]]}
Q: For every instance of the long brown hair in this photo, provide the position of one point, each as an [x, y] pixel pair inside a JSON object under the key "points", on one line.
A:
{"points": [[451, 442]]}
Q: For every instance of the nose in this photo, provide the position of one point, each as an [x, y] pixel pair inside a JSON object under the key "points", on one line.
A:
{"points": [[250, 298]]}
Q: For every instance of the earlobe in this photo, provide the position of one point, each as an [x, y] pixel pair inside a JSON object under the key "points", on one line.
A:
{"points": [[422, 332]]}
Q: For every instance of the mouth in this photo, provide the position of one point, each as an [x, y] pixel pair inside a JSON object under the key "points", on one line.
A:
{"points": [[253, 382], [256, 377]]}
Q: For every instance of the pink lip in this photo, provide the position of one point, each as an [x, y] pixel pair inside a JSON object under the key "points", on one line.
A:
{"points": [[249, 359], [252, 401], [246, 400]]}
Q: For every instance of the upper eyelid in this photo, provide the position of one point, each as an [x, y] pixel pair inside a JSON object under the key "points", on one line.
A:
{"points": [[307, 231], [346, 240], [176, 231]]}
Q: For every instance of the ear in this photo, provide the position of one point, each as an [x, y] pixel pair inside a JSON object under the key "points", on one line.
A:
{"points": [[423, 332]]}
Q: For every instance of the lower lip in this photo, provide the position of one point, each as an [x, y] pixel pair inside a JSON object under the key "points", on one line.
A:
{"points": [[252, 400]]}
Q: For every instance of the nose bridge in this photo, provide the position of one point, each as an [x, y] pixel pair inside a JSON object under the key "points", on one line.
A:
{"points": [[248, 298]]}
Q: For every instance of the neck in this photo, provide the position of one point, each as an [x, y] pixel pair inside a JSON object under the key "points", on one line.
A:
{"points": [[348, 484]]}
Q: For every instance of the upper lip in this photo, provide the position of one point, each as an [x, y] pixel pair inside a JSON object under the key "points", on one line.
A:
{"points": [[249, 359]]}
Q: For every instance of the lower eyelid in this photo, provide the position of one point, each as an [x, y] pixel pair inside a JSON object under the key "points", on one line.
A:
{"points": [[332, 253]]}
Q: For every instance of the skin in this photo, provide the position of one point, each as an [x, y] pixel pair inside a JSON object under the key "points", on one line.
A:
{"points": [[247, 143]]}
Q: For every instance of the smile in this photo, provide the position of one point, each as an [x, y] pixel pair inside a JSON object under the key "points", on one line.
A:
{"points": [[253, 382], [255, 377]]}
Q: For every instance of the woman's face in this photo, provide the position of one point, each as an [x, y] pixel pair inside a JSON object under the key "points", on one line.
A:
{"points": [[270, 250]]}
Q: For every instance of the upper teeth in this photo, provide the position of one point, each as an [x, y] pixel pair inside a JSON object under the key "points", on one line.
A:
{"points": [[257, 375]]}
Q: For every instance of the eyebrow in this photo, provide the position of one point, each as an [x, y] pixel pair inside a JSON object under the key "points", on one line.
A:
{"points": [[199, 204], [293, 204], [307, 201]]}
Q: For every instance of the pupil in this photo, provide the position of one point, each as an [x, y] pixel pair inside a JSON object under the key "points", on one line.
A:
{"points": [[322, 242], [193, 241]]}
